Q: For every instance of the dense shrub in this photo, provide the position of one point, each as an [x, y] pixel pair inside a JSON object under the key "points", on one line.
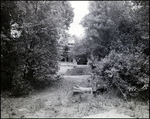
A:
{"points": [[21, 87], [128, 73]]}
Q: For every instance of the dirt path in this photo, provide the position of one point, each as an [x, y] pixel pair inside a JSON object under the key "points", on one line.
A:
{"points": [[57, 101]]}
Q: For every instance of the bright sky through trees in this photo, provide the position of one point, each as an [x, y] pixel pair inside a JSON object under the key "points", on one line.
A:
{"points": [[80, 10]]}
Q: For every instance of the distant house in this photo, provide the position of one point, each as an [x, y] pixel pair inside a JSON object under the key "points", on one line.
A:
{"points": [[71, 42], [64, 47]]}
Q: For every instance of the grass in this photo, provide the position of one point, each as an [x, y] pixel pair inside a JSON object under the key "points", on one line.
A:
{"points": [[58, 101]]}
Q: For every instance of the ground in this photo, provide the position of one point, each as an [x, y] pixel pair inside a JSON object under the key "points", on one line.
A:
{"points": [[57, 101]]}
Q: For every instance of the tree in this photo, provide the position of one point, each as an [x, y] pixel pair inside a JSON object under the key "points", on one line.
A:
{"points": [[114, 25], [9, 58], [118, 33], [36, 48]]}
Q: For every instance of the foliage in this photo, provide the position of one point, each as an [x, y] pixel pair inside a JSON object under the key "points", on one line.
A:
{"points": [[9, 58], [126, 72], [117, 35], [117, 25], [9, 14], [79, 51], [21, 87], [32, 56]]}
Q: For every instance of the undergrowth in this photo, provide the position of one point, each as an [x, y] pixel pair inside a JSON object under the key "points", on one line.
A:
{"points": [[127, 73]]}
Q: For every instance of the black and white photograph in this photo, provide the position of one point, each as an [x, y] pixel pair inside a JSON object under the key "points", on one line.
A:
{"points": [[74, 59]]}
